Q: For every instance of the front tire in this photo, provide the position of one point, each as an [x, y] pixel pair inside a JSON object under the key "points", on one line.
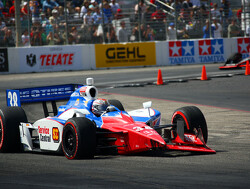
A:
{"points": [[79, 138], [10, 118], [193, 118]]}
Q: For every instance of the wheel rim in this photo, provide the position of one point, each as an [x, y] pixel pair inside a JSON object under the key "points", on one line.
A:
{"points": [[70, 142]]}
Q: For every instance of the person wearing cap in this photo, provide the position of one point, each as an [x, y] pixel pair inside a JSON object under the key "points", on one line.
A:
{"points": [[171, 32], [49, 4]]}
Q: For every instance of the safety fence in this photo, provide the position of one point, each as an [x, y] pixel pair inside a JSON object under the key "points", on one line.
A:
{"points": [[131, 23], [101, 56]]}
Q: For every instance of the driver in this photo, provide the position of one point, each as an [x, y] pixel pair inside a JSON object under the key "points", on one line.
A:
{"points": [[99, 106]]}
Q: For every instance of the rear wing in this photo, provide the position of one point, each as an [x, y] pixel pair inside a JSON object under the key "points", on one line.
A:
{"points": [[16, 97]]}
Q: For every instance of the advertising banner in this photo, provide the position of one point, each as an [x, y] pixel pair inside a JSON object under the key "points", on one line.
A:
{"points": [[130, 54], [197, 51], [4, 64], [56, 58], [243, 46]]}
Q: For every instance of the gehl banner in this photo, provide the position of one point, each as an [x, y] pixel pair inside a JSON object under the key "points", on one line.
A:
{"points": [[125, 55], [4, 65]]}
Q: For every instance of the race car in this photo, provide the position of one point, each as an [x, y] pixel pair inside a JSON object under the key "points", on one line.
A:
{"points": [[88, 125], [235, 62]]}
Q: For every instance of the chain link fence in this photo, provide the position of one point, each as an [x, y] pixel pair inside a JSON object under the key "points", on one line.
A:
{"points": [[97, 22]]}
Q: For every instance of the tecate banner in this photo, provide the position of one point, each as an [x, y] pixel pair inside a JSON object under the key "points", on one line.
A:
{"points": [[50, 59]]}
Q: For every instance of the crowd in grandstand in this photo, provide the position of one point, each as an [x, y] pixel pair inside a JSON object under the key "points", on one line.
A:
{"points": [[52, 22]]}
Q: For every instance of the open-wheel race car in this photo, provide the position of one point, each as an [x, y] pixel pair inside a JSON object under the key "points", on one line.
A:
{"points": [[88, 125], [235, 62]]}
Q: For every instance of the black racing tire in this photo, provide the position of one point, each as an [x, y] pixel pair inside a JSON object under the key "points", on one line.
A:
{"points": [[117, 104], [10, 118], [79, 138], [193, 118]]}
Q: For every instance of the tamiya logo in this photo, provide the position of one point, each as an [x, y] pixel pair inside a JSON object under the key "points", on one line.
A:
{"points": [[243, 45], [211, 47], [181, 48], [31, 60], [181, 52]]}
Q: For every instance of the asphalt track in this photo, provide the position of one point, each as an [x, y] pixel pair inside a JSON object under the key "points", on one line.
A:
{"points": [[223, 100]]}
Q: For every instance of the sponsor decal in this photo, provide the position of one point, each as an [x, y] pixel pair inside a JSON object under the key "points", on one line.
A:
{"points": [[44, 134], [243, 45], [4, 65], [77, 102], [31, 60], [50, 60], [55, 134], [35, 93], [131, 54], [181, 52], [211, 50]]}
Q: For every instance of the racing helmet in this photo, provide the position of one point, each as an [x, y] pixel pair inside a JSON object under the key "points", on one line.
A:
{"points": [[99, 106]]}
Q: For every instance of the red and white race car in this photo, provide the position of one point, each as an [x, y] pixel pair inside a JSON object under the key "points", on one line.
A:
{"points": [[79, 131]]}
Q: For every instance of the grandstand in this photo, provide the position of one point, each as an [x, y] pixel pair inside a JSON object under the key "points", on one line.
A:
{"points": [[59, 22]]}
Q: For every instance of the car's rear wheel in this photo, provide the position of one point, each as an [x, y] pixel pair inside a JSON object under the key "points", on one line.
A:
{"points": [[117, 104], [79, 138], [10, 118], [193, 118]]}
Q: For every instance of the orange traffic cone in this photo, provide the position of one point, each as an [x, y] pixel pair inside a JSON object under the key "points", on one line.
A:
{"points": [[203, 73], [247, 72], [159, 79]]}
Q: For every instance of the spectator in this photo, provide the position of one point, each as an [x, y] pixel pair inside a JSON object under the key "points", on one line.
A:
{"points": [[75, 34], [61, 13], [76, 15], [177, 5], [114, 6], [140, 8], [119, 14], [36, 39], [171, 32], [206, 30], [218, 29], [8, 38], [111, 36], [233, 29], [44, 20], [135, 33], [215, 12], [88, 18], [24, 10], [34, 8], [84, 8], [158, 24], [49, 4], [97, 16], [25, 38], [122, 33], [239, 13], [149, 34], [54, 18], [107, 11]]}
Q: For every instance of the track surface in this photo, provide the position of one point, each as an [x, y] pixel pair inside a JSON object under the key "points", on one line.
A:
{"points": [[224, 102]]}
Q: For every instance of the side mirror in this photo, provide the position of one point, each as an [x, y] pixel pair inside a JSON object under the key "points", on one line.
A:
{"points": [[147, 104]]}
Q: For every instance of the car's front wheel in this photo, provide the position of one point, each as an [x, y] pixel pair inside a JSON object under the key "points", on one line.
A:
{"points": [[79, 138]]}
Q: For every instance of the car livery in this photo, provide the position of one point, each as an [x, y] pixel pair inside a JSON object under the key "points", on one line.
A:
{"points": [[77, 132]]}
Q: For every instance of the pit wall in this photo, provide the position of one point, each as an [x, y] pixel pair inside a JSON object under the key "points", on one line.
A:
{"points": [[102, 56]]}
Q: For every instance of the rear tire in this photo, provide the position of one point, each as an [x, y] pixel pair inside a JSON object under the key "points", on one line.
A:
{"points": [[79, 138], [193, 118], [117, 104], [10, 118]]}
